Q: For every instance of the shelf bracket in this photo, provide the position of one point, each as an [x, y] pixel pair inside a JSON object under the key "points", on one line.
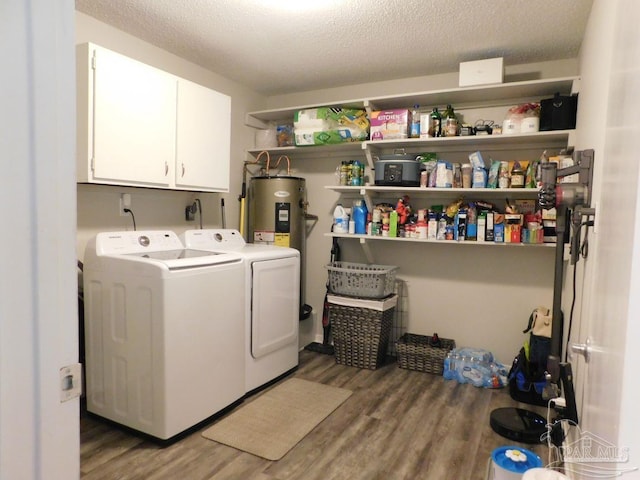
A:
{"points": [[366, 248], [367, 199], [369, 155]]}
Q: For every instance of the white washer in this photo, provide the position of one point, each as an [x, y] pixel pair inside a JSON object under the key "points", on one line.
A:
{"points": [[164, 331], [272, 302]]}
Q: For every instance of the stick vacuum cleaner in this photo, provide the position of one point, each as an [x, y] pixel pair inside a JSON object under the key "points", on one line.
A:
{"points": [[325, 347]]}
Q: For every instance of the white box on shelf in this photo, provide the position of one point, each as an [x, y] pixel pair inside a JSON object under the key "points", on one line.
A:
{"points": [[481, 72]]}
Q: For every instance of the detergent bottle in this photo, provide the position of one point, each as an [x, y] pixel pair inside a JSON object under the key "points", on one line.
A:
{"points": [[360, 217], [340, 220]]}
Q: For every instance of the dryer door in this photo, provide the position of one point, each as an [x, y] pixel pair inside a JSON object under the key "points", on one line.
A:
{"points": [[275, 304]]}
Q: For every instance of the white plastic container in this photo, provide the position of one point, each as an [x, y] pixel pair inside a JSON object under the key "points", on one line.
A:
{"points": [[511, 125], [543, 474], [340, 220], [511, 463], [530, 124]]}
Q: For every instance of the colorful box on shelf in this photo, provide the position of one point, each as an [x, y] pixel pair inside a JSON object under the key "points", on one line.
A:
{"points": [[326, 126], [512, 227], [535, 235], [389, 124]]}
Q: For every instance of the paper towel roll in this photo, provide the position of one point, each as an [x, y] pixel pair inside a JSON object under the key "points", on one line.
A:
{"points": [[543, 474]]}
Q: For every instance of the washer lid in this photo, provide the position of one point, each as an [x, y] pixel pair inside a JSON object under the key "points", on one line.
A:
{"points": [[185, 258]]}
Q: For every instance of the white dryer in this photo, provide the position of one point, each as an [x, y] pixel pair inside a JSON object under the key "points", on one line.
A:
{"points": [[164, 330], [272, 302]]}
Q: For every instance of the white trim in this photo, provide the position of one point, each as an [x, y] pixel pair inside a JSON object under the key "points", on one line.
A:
{"points": [[39, 436]]}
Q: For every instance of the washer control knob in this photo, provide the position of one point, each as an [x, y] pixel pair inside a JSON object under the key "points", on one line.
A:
{"points": [[218, 237], [144, 240]]}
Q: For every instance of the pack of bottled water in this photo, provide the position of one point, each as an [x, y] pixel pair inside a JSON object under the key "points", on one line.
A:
{"points": [[475, 366]]}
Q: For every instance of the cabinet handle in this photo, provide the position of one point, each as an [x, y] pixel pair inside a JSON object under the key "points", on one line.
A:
{"points": [[166, 168], [183, 169]]}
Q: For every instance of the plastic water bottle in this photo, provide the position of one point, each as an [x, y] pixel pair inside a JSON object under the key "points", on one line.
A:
{"points": [[340, 220], [356, 173], [414, 126], [360, 217]]}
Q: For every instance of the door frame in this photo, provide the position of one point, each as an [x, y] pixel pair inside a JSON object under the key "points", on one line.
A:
{"points": [[39, 434]]}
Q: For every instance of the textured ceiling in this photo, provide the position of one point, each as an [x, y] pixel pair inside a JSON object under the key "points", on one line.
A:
{"points": [[282, 50]]}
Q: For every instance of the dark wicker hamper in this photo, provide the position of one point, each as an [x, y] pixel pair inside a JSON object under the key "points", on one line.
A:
{"points": [[415, 353], [360, 335]]}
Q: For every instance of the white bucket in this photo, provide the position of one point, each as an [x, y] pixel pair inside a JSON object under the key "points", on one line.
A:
{"points": [[511, 463], [543, 474], [529, 125]]}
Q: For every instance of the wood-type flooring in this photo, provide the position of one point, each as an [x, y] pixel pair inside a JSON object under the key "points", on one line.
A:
{"points": [[397, 425]]}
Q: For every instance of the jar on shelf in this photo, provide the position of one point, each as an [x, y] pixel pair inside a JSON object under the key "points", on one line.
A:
{"points": [[517, 176], [503, 175], [450, 127], [343, 173]]}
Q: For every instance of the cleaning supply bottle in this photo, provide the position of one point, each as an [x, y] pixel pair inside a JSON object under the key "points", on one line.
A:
{"points": [[360, 217], [340, 220]]}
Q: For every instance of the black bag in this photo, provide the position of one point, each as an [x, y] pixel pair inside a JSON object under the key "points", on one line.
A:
{"points": [[559, 112], [527, 380], [527, 375]]}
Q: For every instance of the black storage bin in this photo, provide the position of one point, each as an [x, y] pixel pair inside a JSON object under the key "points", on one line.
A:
{"points": [[559, 112]]}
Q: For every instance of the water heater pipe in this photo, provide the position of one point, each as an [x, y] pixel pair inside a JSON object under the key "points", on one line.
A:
{"points": [[243, 193]]}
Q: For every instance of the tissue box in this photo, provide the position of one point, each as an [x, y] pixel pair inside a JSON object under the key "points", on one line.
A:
{"points": [[389, 124], [481, 72], [323, 126]]}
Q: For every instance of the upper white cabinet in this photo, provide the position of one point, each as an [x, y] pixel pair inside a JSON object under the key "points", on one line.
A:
{"points": [[203, 138], [141, 126]]}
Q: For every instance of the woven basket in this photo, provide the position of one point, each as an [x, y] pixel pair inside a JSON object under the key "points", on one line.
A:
{"points": [[415, 353], [360, 335]]}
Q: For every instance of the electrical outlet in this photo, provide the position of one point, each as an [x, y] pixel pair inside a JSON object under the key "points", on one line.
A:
{"points": [[189, 213], [125, 202]]}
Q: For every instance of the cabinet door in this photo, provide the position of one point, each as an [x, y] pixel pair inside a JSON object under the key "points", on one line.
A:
{"points": [[203, 138], [134, 121]]}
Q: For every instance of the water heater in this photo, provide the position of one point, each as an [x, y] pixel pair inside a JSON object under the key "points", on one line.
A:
{"points": [[277, 215]]}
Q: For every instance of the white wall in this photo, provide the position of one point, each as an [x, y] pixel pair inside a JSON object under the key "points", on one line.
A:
{"points": [[98, 204], [513, 73]]}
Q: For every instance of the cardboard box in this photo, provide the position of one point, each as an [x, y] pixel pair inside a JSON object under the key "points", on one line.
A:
{"points": [[512, 228], [389, 124], [489, 229], [482, 227], [482, 72]]}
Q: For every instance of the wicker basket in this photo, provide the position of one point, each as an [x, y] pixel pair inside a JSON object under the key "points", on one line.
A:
{"points": [[415, 353], [360, 335], [361, 280]]}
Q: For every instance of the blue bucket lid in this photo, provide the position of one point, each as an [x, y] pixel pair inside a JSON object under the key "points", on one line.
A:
{"points": [[515, 459]]}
